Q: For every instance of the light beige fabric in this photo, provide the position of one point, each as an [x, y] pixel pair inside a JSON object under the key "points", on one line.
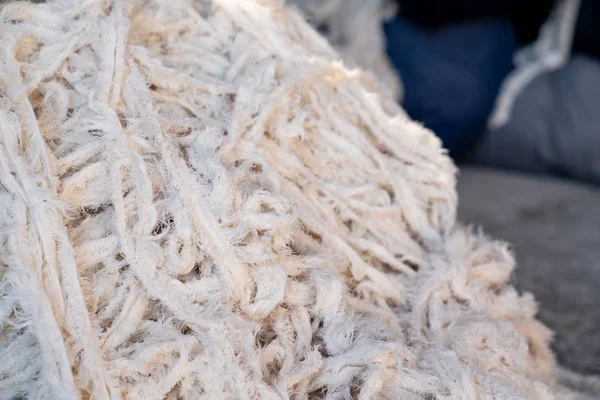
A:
{"points": [[355, 30], [200, 201]]}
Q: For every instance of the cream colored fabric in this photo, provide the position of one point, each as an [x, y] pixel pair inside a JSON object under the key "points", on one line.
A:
{"points": [[355, 30], [199, 201]]}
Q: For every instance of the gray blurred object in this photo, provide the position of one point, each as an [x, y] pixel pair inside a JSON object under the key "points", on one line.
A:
{"points": [[554, 227], [554, 126]]}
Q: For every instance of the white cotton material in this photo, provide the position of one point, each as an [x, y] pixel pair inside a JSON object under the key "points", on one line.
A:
{"points": [[199, 202], [354, 28]]}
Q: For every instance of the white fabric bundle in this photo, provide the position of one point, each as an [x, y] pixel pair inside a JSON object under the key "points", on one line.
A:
{"points": [[200, 201], [355, 30]]}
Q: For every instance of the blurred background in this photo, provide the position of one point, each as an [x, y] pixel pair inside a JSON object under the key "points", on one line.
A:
{"points": [[512, 88]]}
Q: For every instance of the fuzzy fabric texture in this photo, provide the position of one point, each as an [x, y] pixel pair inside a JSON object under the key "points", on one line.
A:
{"points": [[355, 30], [200, 202]]}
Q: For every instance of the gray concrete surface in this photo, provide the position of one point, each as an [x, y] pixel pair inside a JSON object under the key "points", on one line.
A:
{"points": [[554, 228]]}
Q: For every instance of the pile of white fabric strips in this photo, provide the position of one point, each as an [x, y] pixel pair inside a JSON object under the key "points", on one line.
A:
{"points": [[199, 201]]}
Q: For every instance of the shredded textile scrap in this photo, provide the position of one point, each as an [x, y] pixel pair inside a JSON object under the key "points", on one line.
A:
{"points": [[355, 30], [200, 201]]}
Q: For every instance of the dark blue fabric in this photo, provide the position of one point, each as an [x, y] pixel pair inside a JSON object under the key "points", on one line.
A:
{"points": [[527, 16], [452, 75]]}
